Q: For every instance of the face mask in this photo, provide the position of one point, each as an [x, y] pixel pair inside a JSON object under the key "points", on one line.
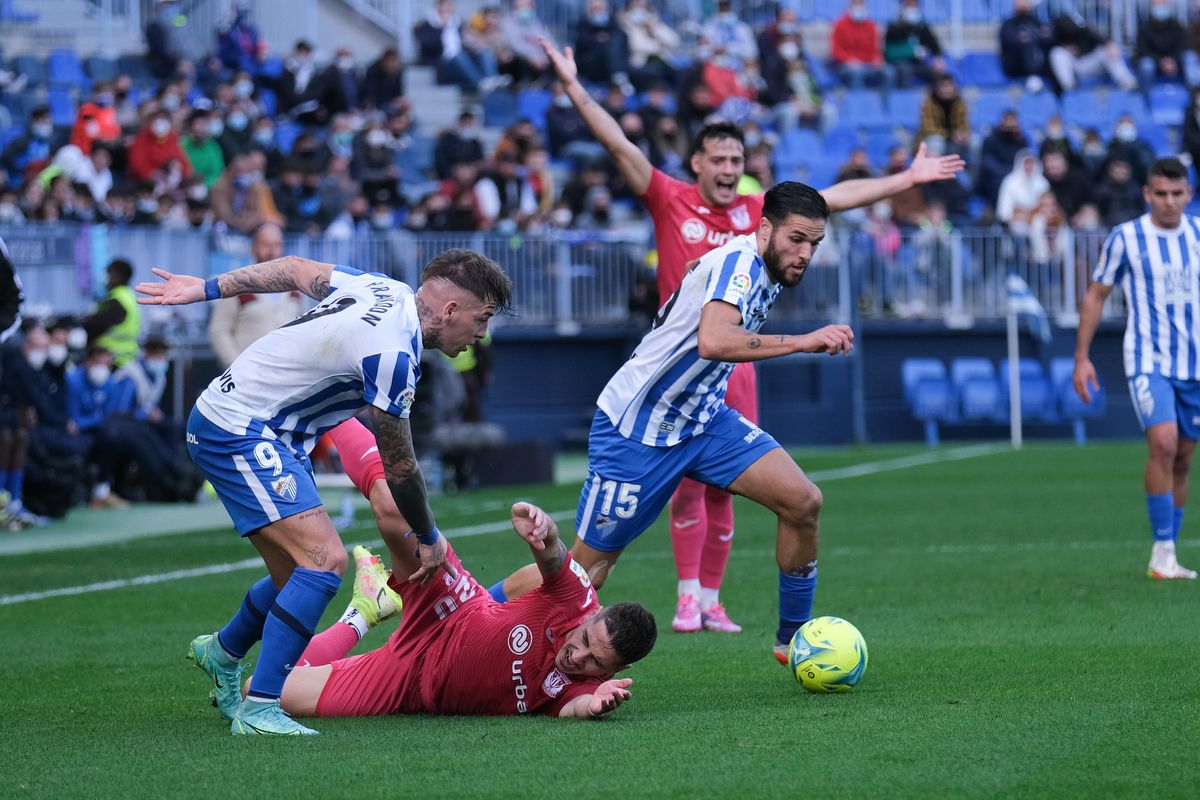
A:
{"points": [[858, 13], [170, 103], [264, 136], [1054, 133], [343, 139], [7, 210], [345, 63], [147, 206], [1126, 132], [237, 121], [637, 16], [599, 19], [1161, 12], [727, 17], [789, 51], [562, 101], [98, 374], [376, 138], [561, 217], [160, 127], [1093, 149], [36, 358], [104, 100], [752, 138], [912, 16], [41, 130], [56, 354], [156, 369], [243, 89], [216, 127], [524, 16], [197, 192], [381, 221]]}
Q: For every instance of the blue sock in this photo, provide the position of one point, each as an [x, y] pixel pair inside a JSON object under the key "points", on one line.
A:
{"points": [[246, 627], [497, 593], [290, 624], [795, 601], [1161, 508], [16, 483], [1178, 523]]}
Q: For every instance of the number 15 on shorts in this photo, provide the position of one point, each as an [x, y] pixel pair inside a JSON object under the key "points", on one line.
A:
{"points": [[622, 495]]}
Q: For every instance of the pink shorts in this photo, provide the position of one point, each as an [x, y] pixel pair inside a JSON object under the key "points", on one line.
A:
{"points": [[388, 680], [742, 394]]}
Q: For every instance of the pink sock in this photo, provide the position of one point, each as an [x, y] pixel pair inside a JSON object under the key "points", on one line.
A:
{"points": [[688, 522], [331, 644], [718, 538]]}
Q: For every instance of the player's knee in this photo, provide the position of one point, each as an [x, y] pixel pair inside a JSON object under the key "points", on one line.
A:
{"points": [[804, 503]]}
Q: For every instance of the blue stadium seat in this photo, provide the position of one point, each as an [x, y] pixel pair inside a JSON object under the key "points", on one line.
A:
{"points": [[980, 397], [1038, 402], [840, 141], [32, 68], [822, 75], [800, 146], [863, 108], [1085, 108], [499, 109], [990, 105], [62, 108], [100, 68], [1168, 103], [928, 393], [822, 174], [904, 107], [135, 66], [1156, 136], [1070, 406], [286, 134], [269, 100], [982, 70], [1035, 109], [1131, 103], [271, 67], [533, 104], [878, 146], [66, 70]]}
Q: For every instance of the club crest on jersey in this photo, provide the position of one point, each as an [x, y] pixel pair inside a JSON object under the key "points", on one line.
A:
{"points": [[693, 230], [740, 217], [285, 487], [555, 682], [519, 639], [740, 283]]}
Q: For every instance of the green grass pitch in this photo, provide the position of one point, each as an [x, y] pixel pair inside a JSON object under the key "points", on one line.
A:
{"points": [[1016, 650]]}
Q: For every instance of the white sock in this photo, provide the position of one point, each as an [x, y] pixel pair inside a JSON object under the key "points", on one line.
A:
{"points": [[708, 598], [101, 491], [355, 620], [1163, 551], [691, 587]]}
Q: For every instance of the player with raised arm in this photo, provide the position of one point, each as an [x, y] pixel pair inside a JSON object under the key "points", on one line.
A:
{"points": [[662, 416], [457, 651], [1156, 257], [689, 220], [252, 429]]}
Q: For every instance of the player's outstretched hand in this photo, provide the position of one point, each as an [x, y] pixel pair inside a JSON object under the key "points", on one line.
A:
{"points": [[609, 695], [1085, 380], [433, 558], [564, 61], [926, 169], [174, 290], [531, 524], [832, 339]]}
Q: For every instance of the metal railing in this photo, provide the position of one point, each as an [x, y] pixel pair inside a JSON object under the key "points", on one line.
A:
{"points": [[572, 281]]}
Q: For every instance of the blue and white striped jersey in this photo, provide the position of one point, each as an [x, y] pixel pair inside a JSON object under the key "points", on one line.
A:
{"points": [[1159, 271], [666, 393], [361, 345]]}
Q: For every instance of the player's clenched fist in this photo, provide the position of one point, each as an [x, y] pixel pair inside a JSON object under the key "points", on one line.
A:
{"points": [[608, 696], [531, 523], [832, 339]]}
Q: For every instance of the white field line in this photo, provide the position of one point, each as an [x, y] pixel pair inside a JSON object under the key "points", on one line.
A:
{"points": [[858, 470]]}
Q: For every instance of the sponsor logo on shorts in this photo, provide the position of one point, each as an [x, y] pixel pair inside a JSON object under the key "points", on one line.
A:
{"points": [[752, 435], [693, 230], [519, 639], [603, 522], [192, 438], [555, 682], [285, 487]]}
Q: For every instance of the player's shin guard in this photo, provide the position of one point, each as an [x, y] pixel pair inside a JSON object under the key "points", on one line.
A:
{"points": [[688, 526], [290, 625], [795, 600], [718, 539], [1160, 509], [246, 627]]}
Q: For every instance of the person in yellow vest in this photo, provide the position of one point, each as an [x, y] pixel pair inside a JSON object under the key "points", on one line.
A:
{"points": [[116, 324]]}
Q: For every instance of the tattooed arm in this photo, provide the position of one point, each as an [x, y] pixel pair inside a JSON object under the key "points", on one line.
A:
{"points": [[286, 274], [535, 526], [723, 338], [394, 438]]}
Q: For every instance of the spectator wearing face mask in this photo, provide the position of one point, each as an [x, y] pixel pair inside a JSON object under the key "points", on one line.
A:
{"points": [[334, 90], [1054, 140], [600, 50], [239, 45], [92, 397], [1071, 184], [522, 30], [911, 47], [457, 145], [997, 154], [1161, 42], [292, 86], [1127, 146], [374, 164], [237, 136], [855, 51], [1024, 40], [1118, 196], [203, 151], [28, 154], [1092, 152], [1080, 51], [383, 82], [1020, 192], [18, 417], [731, 39], [156, 155], [652, 44], [96, 119], [241, 198]]}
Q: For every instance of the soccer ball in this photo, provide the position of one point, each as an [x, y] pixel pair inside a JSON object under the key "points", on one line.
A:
{"points": [[827, 654]]}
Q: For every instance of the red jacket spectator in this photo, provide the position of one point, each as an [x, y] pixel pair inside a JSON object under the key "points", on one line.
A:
{"points": [[94, 123], [155, 146], [855, 40]]}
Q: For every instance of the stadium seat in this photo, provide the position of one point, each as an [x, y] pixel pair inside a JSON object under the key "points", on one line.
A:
{"points": [[982, 70], [33, 68], [904, 107], [800, 146], [1038, 403], [269, 100], [271, 67], [990, 105], [1035, 109], [134, 65], [1131, 103], [1070, 406], [62, 108], [100, 68], [65, 70], [1086, 109], [822, 75], [533, 105], [499, 109], [1156, 136], [980, 398], [286, 134], [928, 394], [878, 146], [863, 108], [840, 141], [1168, 103]]}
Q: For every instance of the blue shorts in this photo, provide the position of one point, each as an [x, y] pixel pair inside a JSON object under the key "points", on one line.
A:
{"points": [[1158, 399], [629, 483], [259, 480]]}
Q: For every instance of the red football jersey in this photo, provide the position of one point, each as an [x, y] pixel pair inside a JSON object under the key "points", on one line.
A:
{"points": [[498, 658], [685, 227]]}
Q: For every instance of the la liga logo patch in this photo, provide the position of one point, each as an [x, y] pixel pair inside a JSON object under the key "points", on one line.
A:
{"points": [[740, 282]]}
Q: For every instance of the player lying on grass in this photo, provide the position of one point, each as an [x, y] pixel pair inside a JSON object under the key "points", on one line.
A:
{"points": [[457, 651]]}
